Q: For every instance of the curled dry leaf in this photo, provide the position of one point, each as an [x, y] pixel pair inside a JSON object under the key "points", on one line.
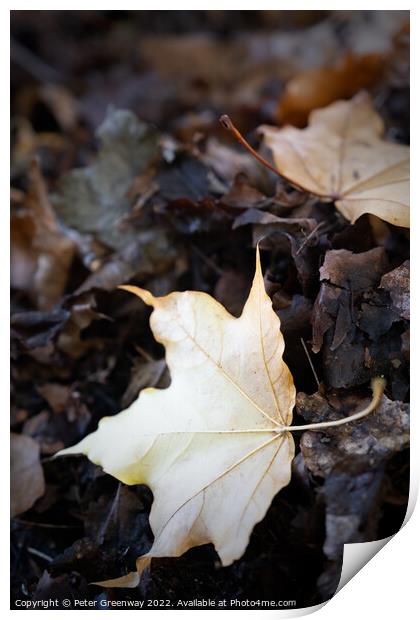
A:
{"points": [[214, 433], [26, 475], [341, 157], [319, 86]]}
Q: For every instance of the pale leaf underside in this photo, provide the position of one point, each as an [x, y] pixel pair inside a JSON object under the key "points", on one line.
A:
{"points": [[211, 446]]}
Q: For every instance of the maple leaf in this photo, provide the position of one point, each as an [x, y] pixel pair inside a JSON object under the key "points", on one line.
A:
{"points": [[211, 446], [215, 446], [340, 156]]}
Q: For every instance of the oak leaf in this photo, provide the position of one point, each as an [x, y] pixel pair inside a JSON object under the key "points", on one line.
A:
{"points": [[341, 157], [210, 446]]}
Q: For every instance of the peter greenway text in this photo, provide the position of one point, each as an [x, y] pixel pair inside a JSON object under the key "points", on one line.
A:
{"points": [[152, 603]]}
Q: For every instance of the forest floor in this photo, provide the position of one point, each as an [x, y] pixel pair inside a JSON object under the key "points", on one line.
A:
{"points": [[121, 172]]}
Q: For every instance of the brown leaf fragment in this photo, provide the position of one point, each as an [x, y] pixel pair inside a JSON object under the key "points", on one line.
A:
{"points": [[144, 373], [67, 419], [37, 329], [273, 222], [150, 253], [354, 271], [26, 475], [317, 87], [227, 164], [243, 195], [371, 441], [40, 428], [41, 253], [297, 240], [376, 315], [345, 277], [397, 282]]}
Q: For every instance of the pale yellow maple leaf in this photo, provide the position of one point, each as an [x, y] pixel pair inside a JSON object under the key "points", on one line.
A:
{"points": [[215, 446], [211, 446], [342, 157]]}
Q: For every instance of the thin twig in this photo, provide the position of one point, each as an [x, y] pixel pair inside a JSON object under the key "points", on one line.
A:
{"points": [[310, 362], [53, 526], [40, 554], [311, 234]]}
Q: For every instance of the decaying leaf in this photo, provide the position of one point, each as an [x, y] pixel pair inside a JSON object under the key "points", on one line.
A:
{"points": [[41, 253], [26, 475], [397, 282], [94, 199], [341, 157], [353, 319], [209, 446]]}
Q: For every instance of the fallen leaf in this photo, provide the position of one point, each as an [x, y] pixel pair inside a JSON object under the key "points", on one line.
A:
{"points": [[227, 164], [354, 324], [41, 253], [344, 275], [213, 433], [144, 373], [37, 329], [69, 417], [243, 195], [94, 199], [341, 157], [26, 475], [397, 282], [151, 252], [254, 216], [320, 86]]}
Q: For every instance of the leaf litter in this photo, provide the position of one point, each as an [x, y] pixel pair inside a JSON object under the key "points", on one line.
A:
{"points": [[172, 205]]}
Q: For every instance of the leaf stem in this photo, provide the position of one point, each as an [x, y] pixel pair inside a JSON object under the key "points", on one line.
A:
{"points": [[226, 122], [378, 386]]}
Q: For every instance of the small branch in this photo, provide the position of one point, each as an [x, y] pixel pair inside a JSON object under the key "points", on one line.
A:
{"points": [[378, 386], [311, 234]]}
